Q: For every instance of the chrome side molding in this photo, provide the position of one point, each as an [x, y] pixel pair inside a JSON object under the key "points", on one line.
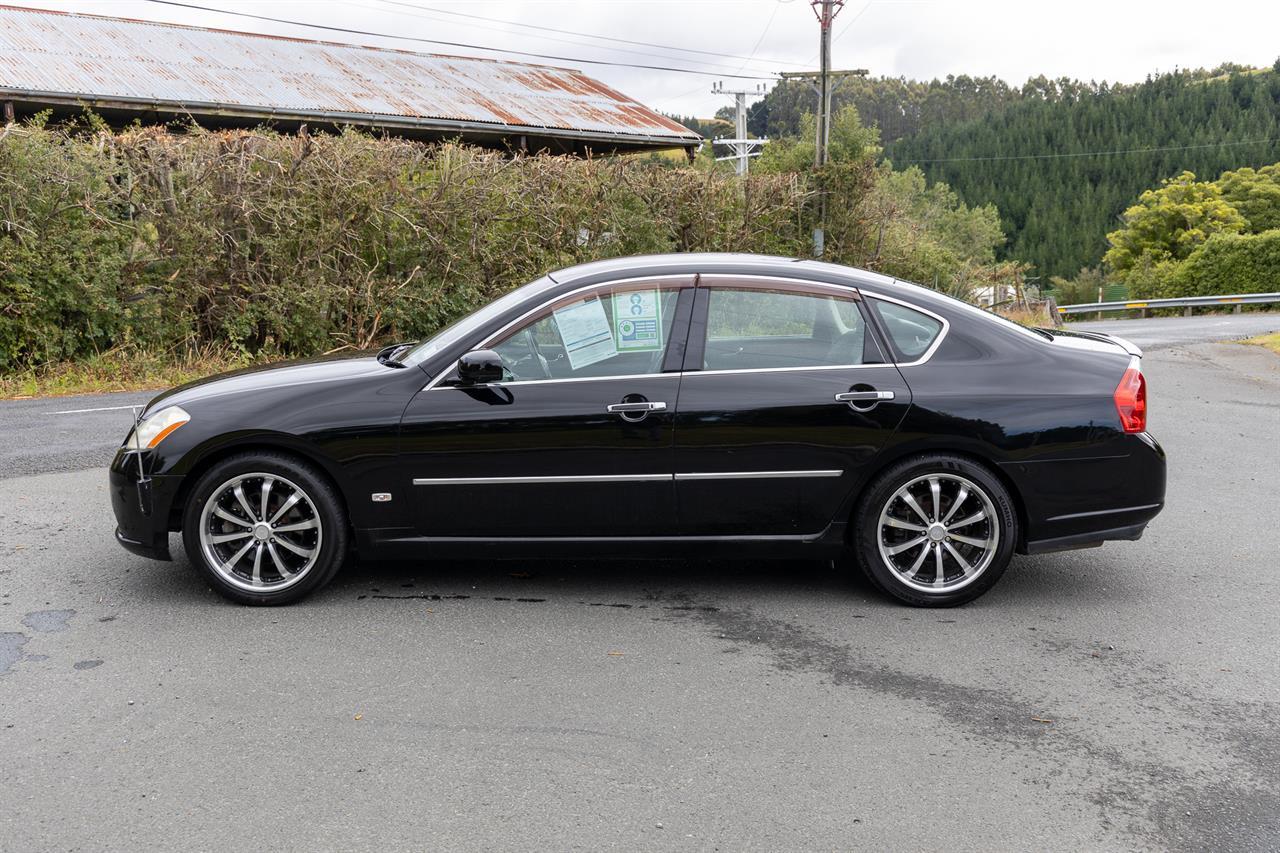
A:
{"points": [[625, 478], [756, 475]]}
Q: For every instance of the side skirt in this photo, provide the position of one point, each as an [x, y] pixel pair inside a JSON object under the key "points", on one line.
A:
{"points": [[396, 544]]}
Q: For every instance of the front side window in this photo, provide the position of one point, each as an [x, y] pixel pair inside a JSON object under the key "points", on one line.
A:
{"points": [[910, 331], [616, 330], [755, 329]]}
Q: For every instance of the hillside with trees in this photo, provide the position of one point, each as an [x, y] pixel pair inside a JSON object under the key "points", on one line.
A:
{"points": [[1032, 151]]}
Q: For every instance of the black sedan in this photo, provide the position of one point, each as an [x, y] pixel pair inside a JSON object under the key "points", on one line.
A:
{"points": [[726, 405]]}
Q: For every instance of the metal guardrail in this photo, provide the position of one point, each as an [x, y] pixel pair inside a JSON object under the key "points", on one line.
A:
{"points": [[1187, 302]]}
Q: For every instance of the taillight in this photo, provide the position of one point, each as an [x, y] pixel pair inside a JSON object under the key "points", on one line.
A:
{"points": [[1131, 399]]}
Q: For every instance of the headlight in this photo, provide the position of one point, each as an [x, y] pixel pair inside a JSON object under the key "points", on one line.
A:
{"points": [[153, 429]]}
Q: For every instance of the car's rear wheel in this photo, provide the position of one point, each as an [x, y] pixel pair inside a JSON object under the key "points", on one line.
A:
{"points": [[935, 530], [265, 528]]}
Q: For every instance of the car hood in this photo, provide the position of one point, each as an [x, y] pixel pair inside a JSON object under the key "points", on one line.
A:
{"points": [[282, 375]]}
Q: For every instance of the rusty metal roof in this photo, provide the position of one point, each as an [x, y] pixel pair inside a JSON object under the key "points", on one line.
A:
{"points": [[72, 58]]}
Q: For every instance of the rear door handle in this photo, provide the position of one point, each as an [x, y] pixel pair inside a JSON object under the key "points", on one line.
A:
{"points": [[635, 411], [871, 398], [863, 396]]}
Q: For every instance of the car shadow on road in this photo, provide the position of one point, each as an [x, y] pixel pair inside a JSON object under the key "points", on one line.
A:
{"points": [[1071, 580], [619, 581]]}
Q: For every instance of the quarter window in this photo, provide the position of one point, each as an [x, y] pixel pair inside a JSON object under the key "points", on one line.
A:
{"points": [[754, 329], [612, 331], [911, 332]]}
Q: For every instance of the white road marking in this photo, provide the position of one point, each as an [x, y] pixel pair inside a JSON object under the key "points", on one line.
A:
{"points": [[103, 409]]}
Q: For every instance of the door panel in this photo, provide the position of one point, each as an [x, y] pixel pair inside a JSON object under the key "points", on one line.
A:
{"points": [[542, 459], [792, 450], [768, 448], [577, 439]]}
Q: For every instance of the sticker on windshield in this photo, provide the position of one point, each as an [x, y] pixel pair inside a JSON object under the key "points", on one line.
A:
{"points": [[584, 330], [637, 319]]}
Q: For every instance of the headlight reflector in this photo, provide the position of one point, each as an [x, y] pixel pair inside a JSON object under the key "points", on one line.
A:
{"points": [[153, 429]]}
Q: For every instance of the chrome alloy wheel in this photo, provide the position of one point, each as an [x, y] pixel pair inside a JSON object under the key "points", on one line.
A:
{"points": [[260, 532], [938, 533]]}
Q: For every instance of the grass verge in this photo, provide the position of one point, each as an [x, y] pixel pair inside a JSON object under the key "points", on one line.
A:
{"points": [[1271, 341], [117, 370]]}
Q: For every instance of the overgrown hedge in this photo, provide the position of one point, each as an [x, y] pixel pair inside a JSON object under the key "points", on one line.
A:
{"points": [[1224, 264], [295, 244]]}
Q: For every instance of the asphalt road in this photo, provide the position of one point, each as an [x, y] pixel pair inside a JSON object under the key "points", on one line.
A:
{"points": [[1120, 698], [1164, 332]]}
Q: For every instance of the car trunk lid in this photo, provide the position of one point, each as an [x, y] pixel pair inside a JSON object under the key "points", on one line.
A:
{"points": [[1094, 341]]}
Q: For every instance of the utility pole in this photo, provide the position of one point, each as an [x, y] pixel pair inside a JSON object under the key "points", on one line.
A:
{"points": [[823, 83], [826, 10], [743, 149]]}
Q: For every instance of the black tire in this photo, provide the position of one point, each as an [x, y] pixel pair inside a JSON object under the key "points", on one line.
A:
{"points": [[984, 493], [321, 503]]}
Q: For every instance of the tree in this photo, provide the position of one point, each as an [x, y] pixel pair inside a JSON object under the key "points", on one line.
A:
{"points": [[849, 142], [1256, 194], [1171, 222]]}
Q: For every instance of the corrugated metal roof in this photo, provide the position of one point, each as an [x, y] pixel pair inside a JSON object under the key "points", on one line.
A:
{"points": [[99, 58]]}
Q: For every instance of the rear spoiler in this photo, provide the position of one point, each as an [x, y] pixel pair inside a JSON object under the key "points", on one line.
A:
{"points": [[1129, 347]]}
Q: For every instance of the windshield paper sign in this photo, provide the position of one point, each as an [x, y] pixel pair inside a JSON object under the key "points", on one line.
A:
{"points": [[584, 329], [637, 319]]}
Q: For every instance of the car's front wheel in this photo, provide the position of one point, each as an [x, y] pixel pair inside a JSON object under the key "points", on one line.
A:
{"points": [[935, 530], [265, 528]]}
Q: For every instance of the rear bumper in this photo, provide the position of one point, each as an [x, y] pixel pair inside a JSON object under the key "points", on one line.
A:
{"points": [[141, 506], [1094, 539], [1081, 503]]}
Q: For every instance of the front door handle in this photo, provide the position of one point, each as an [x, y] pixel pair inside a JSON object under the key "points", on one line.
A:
{"points": [[871, 398], [635, 412]]}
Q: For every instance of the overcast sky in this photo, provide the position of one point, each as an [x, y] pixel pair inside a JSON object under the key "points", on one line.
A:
{"points": [[1117, 40]]}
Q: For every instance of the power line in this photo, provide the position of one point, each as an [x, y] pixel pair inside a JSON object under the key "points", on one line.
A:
{"points": [[586, 35], [1085, 153], [854, 20], [466, 45], [427, 16], [768, 25]]}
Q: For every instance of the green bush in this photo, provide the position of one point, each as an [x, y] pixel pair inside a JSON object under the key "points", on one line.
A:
{"points": [[257, 242], [1228, 264], [61, 253]]}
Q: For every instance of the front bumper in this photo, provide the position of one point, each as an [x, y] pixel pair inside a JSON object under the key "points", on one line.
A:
{"points": [[142, 505]]}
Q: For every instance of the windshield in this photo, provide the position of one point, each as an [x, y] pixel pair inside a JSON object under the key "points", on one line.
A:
{"points": [[466, 327]]}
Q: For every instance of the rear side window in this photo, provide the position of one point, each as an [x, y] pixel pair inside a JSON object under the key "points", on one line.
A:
{"points": [[761, 329], [911, 332]]}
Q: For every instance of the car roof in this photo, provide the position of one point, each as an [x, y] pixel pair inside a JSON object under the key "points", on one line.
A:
{"points": [[718, 262]]}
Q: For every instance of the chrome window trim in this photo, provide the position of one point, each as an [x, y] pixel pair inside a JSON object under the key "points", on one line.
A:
{"points": [[673, 374], [720, 279], [782, 369], [678, 374], [937, 342], [756, 475], [625, 478], [531, 312]]}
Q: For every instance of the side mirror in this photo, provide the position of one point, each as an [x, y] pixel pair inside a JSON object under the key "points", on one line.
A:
{"points": [[480, 367]]}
